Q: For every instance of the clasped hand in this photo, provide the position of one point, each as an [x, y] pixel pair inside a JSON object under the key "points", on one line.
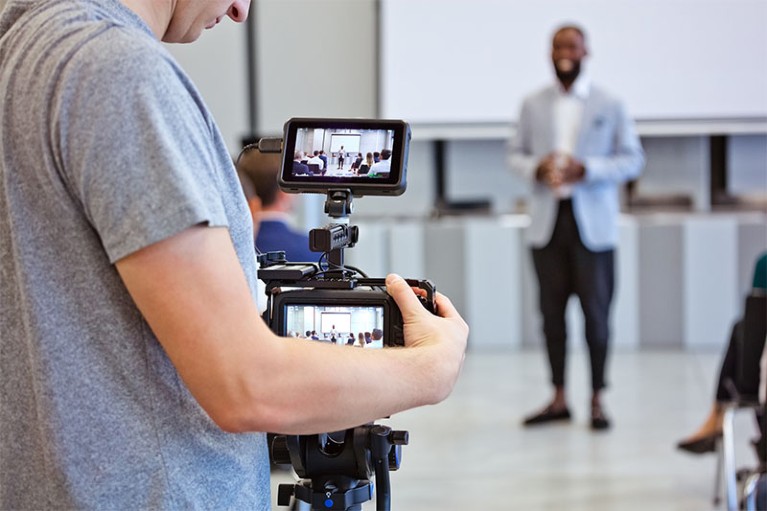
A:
{"points": [[557, 169]]}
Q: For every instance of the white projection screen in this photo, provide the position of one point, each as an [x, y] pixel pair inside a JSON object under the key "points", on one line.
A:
{"points": [[473, 61]]}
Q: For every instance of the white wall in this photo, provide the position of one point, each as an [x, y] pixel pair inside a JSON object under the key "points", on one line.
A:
{"points": [[668, 59], [315, 58]]}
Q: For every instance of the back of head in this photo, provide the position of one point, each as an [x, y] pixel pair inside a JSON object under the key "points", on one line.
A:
{"points": [[385, 154], [258, 171]]}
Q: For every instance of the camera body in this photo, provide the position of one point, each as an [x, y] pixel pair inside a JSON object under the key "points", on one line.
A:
{"points": [[334, 302], [305, 303]]}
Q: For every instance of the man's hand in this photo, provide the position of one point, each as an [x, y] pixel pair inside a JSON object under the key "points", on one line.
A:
{"points": [[548, 171], [557, 169], [444, 334], [572, 171]]}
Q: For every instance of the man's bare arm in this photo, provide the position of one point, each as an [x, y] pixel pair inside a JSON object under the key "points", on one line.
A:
{"points": [[193, 293]]}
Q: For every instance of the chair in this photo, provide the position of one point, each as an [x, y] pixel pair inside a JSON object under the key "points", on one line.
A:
{"points": [[364, 168], [314, 168], [745, 391]]}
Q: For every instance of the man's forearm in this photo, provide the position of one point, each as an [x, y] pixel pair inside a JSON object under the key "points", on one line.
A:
{"points": [[192, 292]]}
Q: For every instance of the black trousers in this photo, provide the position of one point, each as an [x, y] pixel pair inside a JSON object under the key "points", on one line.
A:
{"points": [[729, 369], [728, 373], [565, 267]]}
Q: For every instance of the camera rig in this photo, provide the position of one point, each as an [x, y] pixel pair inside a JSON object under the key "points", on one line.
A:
{"points": [[336, 469]]}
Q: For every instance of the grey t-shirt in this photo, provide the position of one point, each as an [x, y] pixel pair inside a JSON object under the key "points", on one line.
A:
{"points": [[105, 147]]}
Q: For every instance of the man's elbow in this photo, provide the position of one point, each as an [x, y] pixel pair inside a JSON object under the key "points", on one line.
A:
{"points": [[251, 415], [637, 165]]}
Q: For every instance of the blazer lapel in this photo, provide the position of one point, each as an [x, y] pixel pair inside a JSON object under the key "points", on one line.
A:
{"points": [[551, 128], [588, 122]]}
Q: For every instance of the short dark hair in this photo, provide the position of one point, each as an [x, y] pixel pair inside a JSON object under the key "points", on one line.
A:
{"points": [[377, 334], [385, 154], [258, 175], [570, 26]]}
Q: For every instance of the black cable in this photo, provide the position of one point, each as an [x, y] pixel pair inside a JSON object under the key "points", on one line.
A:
{"points": [[245, 149]]}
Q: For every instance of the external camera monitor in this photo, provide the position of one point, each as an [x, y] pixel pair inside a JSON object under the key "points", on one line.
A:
{"points": [[368, 157]]}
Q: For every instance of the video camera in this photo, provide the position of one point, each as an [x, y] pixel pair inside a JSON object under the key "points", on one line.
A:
{"points": [[330, 301], [305, 296]]}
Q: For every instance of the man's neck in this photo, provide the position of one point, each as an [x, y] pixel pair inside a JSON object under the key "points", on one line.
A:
{"points": [[155, 13]]}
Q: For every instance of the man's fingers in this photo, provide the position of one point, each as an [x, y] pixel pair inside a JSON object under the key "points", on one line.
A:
{"points": [[445, 307], [403, 294]]}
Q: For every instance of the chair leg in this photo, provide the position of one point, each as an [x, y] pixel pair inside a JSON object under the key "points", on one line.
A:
{"points": [[718, 476], [728, 443], [750, 491]]}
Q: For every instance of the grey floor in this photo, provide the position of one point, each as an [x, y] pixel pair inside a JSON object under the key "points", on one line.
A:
{"points": [[470, 452]]}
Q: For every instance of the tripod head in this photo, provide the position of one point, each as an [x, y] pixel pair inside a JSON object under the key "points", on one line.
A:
{"points": [[336, 471]]}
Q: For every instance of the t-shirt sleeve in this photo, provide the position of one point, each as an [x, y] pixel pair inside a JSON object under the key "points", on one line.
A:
{"points": [[135, 146]]}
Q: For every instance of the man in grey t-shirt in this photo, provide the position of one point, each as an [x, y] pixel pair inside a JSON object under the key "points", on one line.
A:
{"points": [[134, 367]]}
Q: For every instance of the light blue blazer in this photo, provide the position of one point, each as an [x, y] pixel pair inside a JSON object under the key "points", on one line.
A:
{"points": [[609, 148]]}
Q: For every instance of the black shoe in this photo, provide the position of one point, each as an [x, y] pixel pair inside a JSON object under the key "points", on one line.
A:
{"points": [[549, 414], [599, 422], [701, 445]]}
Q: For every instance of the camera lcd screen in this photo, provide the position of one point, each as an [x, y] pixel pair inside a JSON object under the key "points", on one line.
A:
{"points": [[368, 157], [360, 326]]}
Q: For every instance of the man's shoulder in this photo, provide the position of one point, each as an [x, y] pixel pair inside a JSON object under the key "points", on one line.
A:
{"points": [[117, 47], [600, 93], [271, 227], [540, 94]]}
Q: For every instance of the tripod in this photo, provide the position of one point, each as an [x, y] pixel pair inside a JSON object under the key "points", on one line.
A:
{"points": [[336, 474]]}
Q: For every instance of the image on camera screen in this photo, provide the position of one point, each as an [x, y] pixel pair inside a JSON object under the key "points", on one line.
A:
{"points": [[360, 326], [338, 153]]}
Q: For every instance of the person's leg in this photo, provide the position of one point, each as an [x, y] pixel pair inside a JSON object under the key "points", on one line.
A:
{"points": [[729, 370], [704, 438], [553, 292], [553, 272], [594, 285]]}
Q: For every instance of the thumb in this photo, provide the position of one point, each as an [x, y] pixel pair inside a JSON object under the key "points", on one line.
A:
{"points": [[403, 294]]}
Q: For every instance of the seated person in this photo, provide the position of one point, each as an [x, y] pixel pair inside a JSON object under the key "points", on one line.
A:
{"points": [[299, 164], [357, 162], [271, 207], [365, 165], [376, 338], [316, 160], [383, 167], [705, 438]]}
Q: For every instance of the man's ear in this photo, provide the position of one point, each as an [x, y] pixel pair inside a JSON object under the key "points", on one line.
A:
{"points": [[254, 205]]}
